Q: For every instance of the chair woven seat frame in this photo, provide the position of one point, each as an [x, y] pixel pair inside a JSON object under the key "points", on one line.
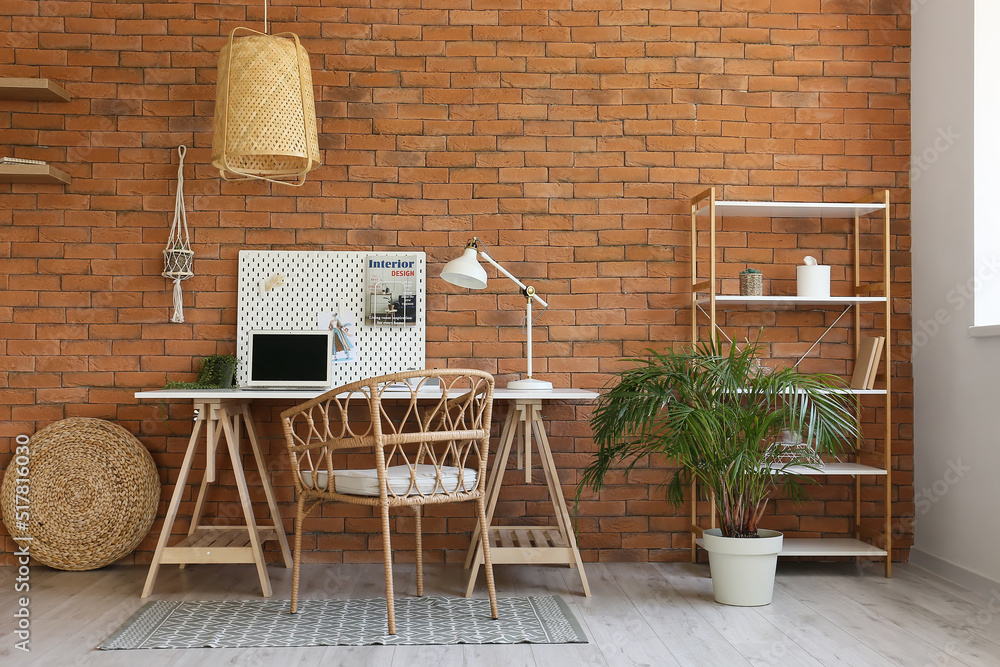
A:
{"points": [[447, 432]]}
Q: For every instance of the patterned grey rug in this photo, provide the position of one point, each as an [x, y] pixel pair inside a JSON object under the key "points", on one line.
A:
{"points": [[267, 623]]}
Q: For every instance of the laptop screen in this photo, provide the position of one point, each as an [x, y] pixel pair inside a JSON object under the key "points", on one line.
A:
{"points": [[290, 359]]}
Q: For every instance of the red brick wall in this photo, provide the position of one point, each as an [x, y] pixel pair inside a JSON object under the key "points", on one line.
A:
{"points": [[567, 134]]}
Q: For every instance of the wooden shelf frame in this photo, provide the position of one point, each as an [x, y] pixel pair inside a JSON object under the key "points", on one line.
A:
{"points": [[704, 291]]}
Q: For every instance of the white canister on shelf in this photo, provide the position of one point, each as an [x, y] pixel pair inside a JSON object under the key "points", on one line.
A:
{"points": [[812, 279]]}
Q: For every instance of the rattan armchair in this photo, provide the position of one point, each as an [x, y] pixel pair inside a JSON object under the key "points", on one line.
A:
{"points": [[424, 452]]}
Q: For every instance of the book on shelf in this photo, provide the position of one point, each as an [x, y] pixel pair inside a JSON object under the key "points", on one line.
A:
{"points": [[866, 365], [19, 160], [876, 358]]}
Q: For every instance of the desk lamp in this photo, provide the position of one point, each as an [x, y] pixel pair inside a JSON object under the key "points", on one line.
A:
{"points": [[465, 271]]}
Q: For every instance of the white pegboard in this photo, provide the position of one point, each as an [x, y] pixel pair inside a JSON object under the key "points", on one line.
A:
{"points": [[326, 281]]}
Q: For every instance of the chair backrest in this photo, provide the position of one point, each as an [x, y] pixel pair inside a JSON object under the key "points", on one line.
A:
{"points": [[436, 423]]}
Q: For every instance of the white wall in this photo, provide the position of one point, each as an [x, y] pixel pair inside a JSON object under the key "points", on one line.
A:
{"points": [[956, 402]]}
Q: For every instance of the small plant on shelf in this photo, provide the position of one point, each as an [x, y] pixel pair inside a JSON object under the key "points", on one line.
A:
{"points": [[214, 372], [751, 282]]}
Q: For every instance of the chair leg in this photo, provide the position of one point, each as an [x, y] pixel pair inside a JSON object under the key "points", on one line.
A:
{"points": [[297, 557], [420, 549], [387, 556], [487, 562]]}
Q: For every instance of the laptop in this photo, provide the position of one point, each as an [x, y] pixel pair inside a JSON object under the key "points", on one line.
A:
{"points": [[291, 359]]}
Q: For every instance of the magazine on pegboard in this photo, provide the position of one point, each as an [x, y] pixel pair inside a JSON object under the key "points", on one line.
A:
{"points": [[391, 289]]}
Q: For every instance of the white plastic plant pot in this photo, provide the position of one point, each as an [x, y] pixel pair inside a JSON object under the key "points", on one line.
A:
{"points": [[742, 567]]}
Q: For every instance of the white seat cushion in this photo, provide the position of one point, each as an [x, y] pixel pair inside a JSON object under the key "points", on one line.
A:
{"points": [[365, 482]]}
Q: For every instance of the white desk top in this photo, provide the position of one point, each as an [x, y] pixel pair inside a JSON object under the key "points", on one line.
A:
{"points": [[500, 393]]}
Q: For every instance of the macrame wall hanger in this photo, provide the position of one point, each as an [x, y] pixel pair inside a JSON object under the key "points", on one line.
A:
{"points": [[178, 258]]}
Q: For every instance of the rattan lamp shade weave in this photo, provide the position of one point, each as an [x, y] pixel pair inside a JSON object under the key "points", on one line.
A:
{"points": [[93, 491], [265, 112]]}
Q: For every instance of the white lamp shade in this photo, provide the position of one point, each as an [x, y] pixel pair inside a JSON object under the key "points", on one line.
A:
{"points": [[465, 271]]}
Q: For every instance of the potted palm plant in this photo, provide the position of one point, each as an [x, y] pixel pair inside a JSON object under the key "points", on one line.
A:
{"points": [[718, 413]]}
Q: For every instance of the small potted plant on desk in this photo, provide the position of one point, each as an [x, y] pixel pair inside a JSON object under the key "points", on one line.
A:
{"points": [[214, 372], [717, 414]]}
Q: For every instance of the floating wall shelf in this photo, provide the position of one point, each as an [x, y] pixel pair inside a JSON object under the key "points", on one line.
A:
{"points": [[32, 173], [45, 90]]}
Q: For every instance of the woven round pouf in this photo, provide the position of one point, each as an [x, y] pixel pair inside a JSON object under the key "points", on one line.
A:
{"points": [[92, 496]]}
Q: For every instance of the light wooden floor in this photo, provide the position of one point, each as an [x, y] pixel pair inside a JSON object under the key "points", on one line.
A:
{"points": [[640, 614]]}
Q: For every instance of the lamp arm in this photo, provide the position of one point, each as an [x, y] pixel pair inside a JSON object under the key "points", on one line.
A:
{"points": [[528, 292]]}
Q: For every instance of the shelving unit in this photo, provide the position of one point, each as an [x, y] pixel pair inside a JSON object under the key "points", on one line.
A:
{"points": [[42, 90], [706, 299]]}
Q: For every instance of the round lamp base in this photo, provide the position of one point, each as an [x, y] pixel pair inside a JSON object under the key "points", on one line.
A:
{"points": [[529, 383]]}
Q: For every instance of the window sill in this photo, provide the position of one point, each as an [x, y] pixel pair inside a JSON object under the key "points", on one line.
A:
{"points": [[984, 331]]}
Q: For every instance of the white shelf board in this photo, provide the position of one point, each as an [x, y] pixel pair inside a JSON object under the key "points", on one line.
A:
{"points": [[839, 390], [737, 300], [781, 209], [829, 546], [823, 546], [852, 469]]}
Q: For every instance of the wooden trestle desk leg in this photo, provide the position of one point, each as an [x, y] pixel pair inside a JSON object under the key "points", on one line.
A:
{"points": [[221, 543], [493, 483], [526, 544], [175, 501], [212, 435]]}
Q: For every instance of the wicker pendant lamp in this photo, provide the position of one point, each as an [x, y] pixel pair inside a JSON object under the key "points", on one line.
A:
{"points": [[265, 113]]}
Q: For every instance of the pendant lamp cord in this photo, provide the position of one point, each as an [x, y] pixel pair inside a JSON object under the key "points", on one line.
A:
{"points": [[265, 17]]}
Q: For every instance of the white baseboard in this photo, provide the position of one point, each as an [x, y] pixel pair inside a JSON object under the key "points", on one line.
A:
{"points": [[952, 572]]}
